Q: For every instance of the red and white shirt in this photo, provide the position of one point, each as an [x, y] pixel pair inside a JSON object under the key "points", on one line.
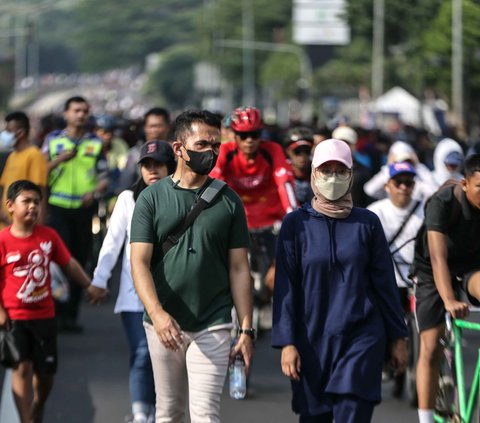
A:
{"points": [[25, 289], [265, 184]]}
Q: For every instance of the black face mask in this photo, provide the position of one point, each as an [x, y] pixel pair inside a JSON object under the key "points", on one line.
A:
{"points": [[202, 162]]}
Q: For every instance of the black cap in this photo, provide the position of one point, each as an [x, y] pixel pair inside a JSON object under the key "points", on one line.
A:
{"points": [[160, 151]]}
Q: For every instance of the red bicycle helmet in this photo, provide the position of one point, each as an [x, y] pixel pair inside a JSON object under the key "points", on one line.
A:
{"points": [[246, 119]]}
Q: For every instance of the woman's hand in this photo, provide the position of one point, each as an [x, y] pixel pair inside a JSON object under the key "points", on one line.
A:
{"points": [[399, 355], [291, 364]]}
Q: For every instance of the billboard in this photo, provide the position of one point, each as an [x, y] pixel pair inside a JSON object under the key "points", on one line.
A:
{"points": [[320, 22]]}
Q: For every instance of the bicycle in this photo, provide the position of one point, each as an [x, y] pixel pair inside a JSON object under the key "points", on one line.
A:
{"points": [[452, 403], [261, 256]]}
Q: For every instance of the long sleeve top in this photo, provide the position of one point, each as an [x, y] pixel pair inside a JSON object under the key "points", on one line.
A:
{"points": [[337, 302], [118, 236]]}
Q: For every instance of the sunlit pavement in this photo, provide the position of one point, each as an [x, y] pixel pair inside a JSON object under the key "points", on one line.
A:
{"points": [[92, 381]]}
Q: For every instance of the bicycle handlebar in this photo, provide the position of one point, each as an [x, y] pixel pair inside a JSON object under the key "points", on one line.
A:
{"points": [[461, 323]]}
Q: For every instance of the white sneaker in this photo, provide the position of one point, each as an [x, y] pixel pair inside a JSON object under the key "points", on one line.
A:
{"points": [[140, 418]]}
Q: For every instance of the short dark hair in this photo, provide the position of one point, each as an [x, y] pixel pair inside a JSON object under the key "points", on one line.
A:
{"points": [[472, 165], [74, 99], [157, 111], [184, 121], [16, 188], [21, 118]]}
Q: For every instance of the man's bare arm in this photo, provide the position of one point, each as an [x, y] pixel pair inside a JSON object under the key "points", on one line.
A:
{"points": [[241, 288], [437, 247], [166, 327]]}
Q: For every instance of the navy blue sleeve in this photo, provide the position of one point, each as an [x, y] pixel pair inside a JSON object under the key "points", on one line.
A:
{"points": [[286, 279], [384, 287]]}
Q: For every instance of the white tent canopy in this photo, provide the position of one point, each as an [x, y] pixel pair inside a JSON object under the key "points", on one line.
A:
{"points": [[398, 101]]}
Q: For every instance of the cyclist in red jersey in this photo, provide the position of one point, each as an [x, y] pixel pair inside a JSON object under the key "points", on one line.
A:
{"points": [[257, 170], [260, 174]]}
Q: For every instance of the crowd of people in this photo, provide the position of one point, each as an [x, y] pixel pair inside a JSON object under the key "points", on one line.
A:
{"points": [[347, 219]]}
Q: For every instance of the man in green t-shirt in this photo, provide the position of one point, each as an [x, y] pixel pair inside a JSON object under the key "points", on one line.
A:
{"points": [[188, 293]]}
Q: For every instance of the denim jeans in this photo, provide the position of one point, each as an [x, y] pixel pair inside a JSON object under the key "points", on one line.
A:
{"points": [[142, 388]]}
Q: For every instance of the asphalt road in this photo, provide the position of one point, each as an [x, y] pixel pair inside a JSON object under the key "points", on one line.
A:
{"points": [[92, 382], [91, 385]]}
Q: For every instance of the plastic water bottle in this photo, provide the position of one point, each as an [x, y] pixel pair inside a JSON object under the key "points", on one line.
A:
{"points": [[238, 379]]}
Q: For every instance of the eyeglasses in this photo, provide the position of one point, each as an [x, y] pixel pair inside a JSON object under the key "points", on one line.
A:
{"points": [[328, 172], [251, 134], [409, 183], [302, 150]]}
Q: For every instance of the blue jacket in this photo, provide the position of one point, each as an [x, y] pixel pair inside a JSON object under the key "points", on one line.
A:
{"points": [[336, 300]]}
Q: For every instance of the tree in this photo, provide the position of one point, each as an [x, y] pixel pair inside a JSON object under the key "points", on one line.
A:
{"points": [[270, 21], [172, 81], [437, 50], [119, 33], [281, 71]]}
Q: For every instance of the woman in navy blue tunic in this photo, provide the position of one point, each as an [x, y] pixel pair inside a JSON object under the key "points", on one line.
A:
{"points": [[336, 310]]}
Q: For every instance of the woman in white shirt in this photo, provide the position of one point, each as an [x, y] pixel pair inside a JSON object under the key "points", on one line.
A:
{"points": [[156, 161]]}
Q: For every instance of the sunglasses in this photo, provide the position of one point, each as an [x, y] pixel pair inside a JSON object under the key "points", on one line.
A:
{"points": [[409, 183], [302, 150], [251, 134]]}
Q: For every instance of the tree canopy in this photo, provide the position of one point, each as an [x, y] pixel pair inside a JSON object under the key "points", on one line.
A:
{"points": [[93, 36]]}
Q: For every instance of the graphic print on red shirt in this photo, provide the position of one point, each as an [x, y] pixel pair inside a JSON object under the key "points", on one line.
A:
{"points": [[25, 288]]}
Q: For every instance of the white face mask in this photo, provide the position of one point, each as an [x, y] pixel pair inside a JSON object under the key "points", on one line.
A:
{"points": [[333, 187], [7, 140]]}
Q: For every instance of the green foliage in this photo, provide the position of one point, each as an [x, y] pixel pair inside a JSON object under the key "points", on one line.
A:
{"points": [[281, 71], [437, 49], [173, 80], [270, 21], [93, 35], [118, 33], [343, 75]]}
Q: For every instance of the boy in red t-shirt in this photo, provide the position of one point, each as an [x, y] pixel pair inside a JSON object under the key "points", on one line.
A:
{"points": [[26, 303]]}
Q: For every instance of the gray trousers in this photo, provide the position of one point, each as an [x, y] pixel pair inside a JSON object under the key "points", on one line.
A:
{"points": [[196, 371]]}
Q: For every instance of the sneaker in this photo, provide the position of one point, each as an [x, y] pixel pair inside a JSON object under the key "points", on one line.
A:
{"points": [[140, 418]]}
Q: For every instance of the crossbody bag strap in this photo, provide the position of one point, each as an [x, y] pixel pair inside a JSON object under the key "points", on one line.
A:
{"points": [[207, 197], [402, 226]]}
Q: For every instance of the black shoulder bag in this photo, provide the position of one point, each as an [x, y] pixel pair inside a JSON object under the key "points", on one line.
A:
{"points": [[402, 226], [397, 234], [207, 197]]}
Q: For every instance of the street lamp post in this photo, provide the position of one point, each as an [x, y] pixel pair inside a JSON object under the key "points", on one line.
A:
{"points": [[457, 63], [248, 55], [378, 47], [306, 72]]}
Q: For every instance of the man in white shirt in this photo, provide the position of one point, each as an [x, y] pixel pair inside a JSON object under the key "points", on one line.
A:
{"points": [[401, 218]]}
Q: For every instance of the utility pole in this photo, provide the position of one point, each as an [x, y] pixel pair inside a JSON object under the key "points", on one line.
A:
{"points": [[248, 55], [306, 71], [20, 47], [378, 47], [457, 63]]}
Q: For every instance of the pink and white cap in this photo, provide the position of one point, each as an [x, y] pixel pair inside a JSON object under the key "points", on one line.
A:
{"points": [[332, 150]]}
